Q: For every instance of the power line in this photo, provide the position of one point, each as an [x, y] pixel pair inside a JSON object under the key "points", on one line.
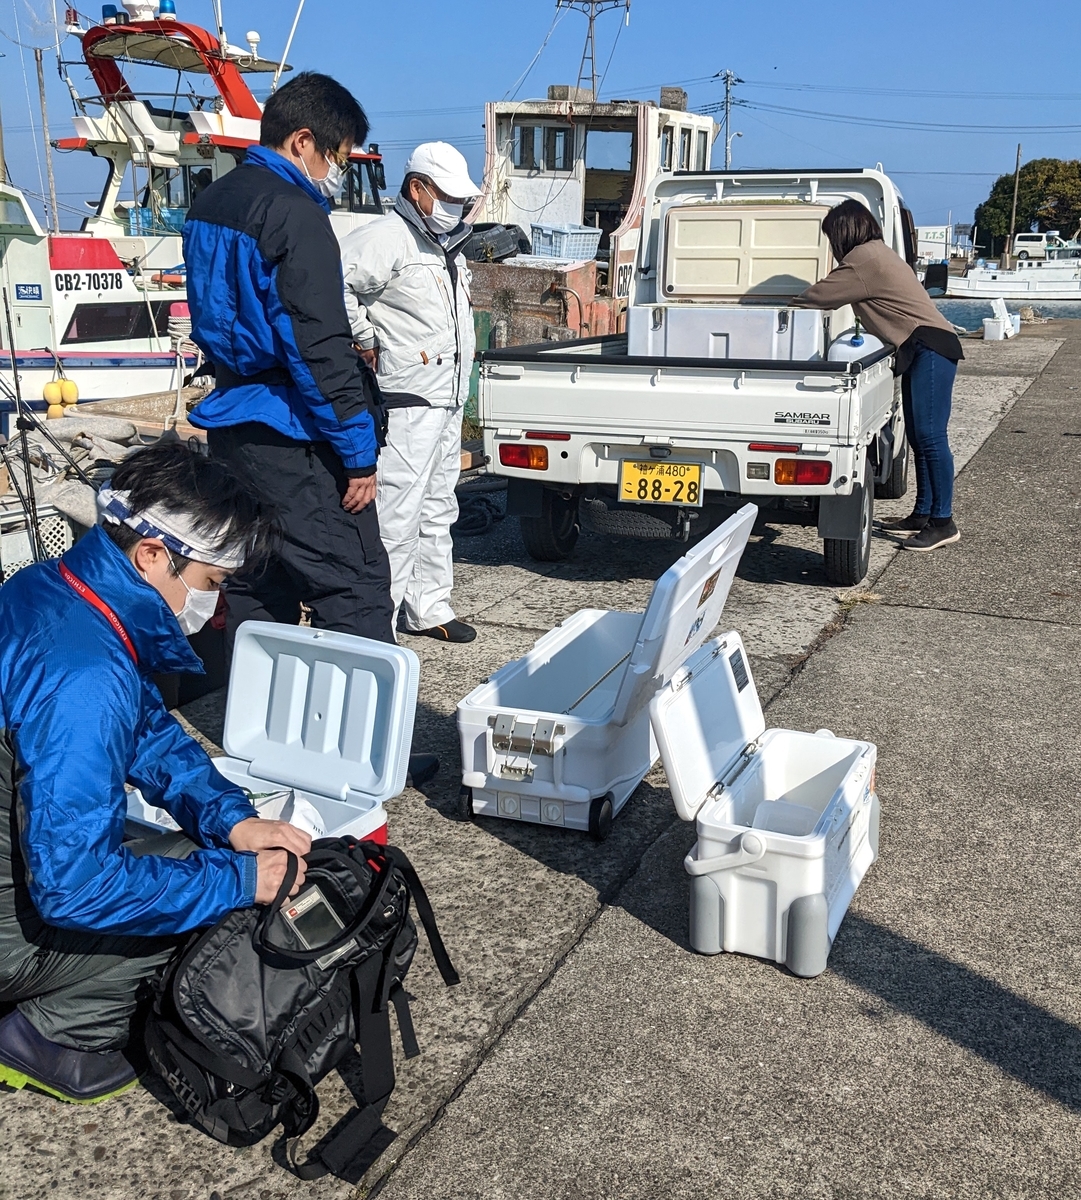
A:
{"points": [[890, 123], [908, 93]]}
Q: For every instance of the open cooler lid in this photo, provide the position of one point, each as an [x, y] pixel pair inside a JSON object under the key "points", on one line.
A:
{"points": [[683, 611], [703, 720], [325, 712]]}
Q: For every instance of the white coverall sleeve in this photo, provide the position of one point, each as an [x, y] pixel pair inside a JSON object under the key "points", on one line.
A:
{"points": [[371, 256]]}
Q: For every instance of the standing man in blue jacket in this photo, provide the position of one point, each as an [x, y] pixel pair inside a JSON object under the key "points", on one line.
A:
{"points": [[295, 407], [87, 920]]}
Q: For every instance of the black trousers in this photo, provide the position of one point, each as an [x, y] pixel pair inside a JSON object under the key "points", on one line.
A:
{"points": [[330, 560]]}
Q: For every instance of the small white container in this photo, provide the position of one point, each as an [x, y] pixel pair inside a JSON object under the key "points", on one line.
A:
{"points": [[326, 715], [562, 736], [994, 330], [787, 822]]}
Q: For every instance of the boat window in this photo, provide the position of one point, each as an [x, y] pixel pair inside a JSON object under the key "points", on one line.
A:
{"points": [[171, 186], [361, 193], [527, 147], [684, 149], [116, 322], [558, 149], [609, 150], [666, 148], [701, 158]]}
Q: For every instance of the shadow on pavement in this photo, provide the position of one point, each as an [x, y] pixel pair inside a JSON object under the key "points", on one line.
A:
{"points": [[1013, 1034]]}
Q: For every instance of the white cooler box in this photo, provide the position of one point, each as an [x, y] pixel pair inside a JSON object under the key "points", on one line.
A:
{"points": [[787, 822], [319, 724], [562, 736]]}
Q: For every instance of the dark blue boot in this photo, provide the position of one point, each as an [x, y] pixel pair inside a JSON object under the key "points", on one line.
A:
{"points": [[78, 1076]]}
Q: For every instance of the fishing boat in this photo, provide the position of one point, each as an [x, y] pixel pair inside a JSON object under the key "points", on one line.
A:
{"points": [[106, 306], [1031, 279]]}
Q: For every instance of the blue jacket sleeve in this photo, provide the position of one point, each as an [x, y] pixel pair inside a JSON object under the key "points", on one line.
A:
{"points": [[306, 308], [175, 773], [73, 758]]}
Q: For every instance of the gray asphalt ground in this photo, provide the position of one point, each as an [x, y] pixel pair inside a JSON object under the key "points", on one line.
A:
{"points": [[588, 1052]]}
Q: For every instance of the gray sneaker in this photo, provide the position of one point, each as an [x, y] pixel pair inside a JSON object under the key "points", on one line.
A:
{"points": [[932, 536]]}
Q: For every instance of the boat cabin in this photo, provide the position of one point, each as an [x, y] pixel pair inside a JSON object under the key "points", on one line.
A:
{"points": [[570, 161]]}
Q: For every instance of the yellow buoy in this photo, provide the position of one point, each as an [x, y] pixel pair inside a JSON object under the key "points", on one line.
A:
{"points": [[69, 392], [55, 410], [52, 393]]}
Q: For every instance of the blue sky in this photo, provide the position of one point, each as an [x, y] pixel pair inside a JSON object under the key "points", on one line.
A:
{"points": [[423, 70]]}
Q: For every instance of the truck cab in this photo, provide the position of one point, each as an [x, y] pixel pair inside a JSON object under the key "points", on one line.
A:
{"points": [[721, 391]]}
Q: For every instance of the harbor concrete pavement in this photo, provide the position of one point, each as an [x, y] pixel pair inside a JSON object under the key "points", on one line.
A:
{"points": [[581, 1008]]}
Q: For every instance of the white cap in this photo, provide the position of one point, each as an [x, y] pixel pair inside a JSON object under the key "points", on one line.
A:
{"points": [[445, 167]]}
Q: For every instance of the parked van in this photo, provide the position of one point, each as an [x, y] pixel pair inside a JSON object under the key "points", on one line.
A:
{"points": [[1036, 245]]}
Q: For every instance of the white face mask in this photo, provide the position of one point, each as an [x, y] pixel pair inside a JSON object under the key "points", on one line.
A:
{"points": [[331, 184], [444, 216], [198, 608]]}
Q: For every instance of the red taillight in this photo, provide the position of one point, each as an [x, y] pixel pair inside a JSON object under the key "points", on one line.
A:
{"points": [[525, 458], [775, 447], [801, 472], [543, 435]]}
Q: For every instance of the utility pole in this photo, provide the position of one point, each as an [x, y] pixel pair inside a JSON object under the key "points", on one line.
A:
{"points": [[1013, 214], [730, 80], [54, 222]]}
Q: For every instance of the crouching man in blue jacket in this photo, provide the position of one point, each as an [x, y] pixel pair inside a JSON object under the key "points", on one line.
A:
{"points": [[87, 920]]}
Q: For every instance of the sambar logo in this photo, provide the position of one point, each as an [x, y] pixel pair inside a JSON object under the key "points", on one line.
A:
{"points": [[802, 418], [28, 291]]}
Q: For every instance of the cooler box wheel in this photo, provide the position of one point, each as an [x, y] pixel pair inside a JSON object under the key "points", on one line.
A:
{"points": [[600, 817]]}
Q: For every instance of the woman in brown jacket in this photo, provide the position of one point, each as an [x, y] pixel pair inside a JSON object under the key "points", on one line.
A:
{"points": [[889, 300]]}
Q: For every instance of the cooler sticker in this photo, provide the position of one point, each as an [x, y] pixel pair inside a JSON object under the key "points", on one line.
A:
{"points": [[28, 291], [694, 629], [710, 587], [739, 670]]}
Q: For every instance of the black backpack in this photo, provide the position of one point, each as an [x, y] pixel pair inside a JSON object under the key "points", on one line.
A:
{"points": [[245, 1021]]}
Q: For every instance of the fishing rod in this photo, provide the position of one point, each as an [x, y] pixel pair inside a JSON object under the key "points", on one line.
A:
{"points": [[41, 428], [22, 423]]}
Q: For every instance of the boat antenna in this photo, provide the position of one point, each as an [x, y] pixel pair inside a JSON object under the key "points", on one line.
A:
{"points": [[288, 43], [54, 219], [219, 21], [587, 69]]}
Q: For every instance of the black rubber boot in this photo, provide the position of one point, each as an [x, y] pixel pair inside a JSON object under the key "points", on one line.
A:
{"points": [[78, 1076], [422, 769], [452, 631]]}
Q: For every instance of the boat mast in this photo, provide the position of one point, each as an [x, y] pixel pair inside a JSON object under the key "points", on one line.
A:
{"points": [[592, 9], [3, 161], [54, 221], [1013, 213]]}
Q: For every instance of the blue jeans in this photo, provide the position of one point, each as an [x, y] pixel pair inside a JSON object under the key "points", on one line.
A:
{"points": [[927, 390]]}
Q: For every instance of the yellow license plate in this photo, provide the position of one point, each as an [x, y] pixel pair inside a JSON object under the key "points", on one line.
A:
{"points": [[660, 482]]}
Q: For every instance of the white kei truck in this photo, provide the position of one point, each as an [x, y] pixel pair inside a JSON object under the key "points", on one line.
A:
{"points": [[720, 392]]}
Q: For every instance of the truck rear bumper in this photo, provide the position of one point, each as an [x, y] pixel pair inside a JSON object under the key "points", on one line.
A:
{"points": [[581, 460]]}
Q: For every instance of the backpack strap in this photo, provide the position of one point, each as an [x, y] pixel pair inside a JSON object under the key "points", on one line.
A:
{"points": [[362, 1136], [424, 911]]}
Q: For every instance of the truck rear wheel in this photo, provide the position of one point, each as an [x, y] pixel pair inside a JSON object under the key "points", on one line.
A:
{"points": [[847, 561], [551, 537], [896, 482]]}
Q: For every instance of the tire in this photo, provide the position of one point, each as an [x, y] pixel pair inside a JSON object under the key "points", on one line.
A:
{"points": [[847, 561], [465, 804], [600, 817], [551, 537], [1023, 254], [896, 482]]}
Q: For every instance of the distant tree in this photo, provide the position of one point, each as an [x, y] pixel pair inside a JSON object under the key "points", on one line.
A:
{"points": [[1048, 196]]}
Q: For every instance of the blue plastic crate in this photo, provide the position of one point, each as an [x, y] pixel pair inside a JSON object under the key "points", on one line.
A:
{"points": [[566, 241], [144, 220]]}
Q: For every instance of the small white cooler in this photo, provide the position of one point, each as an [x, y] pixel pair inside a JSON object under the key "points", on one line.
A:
{"points": [[319, 723], [562, 736], [787, 822]]}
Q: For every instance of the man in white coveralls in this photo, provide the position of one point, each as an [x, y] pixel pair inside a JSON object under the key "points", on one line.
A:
{"points": [[407, 294]]}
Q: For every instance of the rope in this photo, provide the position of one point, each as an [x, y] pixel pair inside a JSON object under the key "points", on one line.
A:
{"points": [[479, 507]]}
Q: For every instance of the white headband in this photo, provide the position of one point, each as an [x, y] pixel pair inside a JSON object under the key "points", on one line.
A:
{"points": [[175, 529]]}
